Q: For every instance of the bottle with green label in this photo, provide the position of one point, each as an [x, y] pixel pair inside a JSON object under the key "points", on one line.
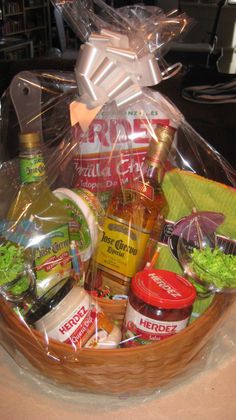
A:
{"points": [[39, 221]]}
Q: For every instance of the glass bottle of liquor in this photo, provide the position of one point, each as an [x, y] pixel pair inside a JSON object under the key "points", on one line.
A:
{"points": [[133, 214], [38, 220]]}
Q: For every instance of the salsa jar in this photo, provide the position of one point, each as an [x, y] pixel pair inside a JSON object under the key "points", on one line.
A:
{"points": [[160, 305], [73, 317]]}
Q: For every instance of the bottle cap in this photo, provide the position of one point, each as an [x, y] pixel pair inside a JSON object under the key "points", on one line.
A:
{"points": [[29, 140], [163, 289]]}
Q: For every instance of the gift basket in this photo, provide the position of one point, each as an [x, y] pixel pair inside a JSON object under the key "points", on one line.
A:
{"points": [[117, 219]]}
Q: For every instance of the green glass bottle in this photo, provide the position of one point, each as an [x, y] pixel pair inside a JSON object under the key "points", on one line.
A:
{"points": [[39, 220]]}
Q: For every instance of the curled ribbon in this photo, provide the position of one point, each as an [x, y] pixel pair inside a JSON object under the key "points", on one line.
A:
{"points": [[108, 69]]}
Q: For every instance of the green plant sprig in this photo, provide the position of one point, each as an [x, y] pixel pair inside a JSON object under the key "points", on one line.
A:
{"points": [[12, 264], [214, 267]]}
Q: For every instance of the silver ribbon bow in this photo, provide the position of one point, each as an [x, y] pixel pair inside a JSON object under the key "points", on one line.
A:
{"points": [[108, 69]]}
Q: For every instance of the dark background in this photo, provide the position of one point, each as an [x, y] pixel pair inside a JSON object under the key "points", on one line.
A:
{"points": [[215, 122]]}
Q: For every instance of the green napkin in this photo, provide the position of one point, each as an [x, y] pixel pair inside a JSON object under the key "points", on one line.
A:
{"points": [[185, 191]]}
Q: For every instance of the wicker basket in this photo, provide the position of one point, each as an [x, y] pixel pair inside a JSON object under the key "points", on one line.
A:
{"points": [[120, 371]]}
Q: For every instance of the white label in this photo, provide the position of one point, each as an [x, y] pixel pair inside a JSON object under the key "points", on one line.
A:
{"points": [[141, 328], [79, 323]]}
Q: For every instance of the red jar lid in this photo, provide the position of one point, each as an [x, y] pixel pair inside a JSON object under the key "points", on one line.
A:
{"points": [[163, 289]]}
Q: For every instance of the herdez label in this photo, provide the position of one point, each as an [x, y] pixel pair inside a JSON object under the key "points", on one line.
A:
{"points": [[112, 149], [142, 329]]}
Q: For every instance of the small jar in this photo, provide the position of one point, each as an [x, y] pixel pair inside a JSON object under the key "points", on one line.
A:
{"points": [[76, 319], [160, 304]]}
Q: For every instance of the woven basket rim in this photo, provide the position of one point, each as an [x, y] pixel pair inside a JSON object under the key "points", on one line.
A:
{"points": [[54, 344]]}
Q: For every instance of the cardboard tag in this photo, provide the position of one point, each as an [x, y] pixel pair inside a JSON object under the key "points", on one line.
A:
{"points": [[79, 113]]}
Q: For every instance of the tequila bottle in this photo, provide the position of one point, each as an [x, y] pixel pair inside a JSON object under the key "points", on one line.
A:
{"points": [[134, 214]]}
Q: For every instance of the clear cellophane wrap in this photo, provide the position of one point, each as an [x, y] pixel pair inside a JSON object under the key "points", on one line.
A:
{"points": [[95, 127]]}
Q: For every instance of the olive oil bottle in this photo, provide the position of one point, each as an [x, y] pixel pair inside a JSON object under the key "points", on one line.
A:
{"points": [[39, 221]]}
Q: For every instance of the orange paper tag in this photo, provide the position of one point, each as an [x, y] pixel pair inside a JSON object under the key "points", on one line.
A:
{"points": [[79, 113]]}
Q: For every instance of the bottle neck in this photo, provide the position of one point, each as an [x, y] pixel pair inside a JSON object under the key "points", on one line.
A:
{"points": [[155, 173], [157, 154], [32, 167]]}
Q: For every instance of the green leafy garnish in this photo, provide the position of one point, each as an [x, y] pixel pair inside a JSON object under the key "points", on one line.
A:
{"points": [[12, 264], [214, 267], [20, 287]]}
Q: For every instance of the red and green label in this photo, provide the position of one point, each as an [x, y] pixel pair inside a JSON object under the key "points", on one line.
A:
{"points": [[79, 229], [52, 259]]}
